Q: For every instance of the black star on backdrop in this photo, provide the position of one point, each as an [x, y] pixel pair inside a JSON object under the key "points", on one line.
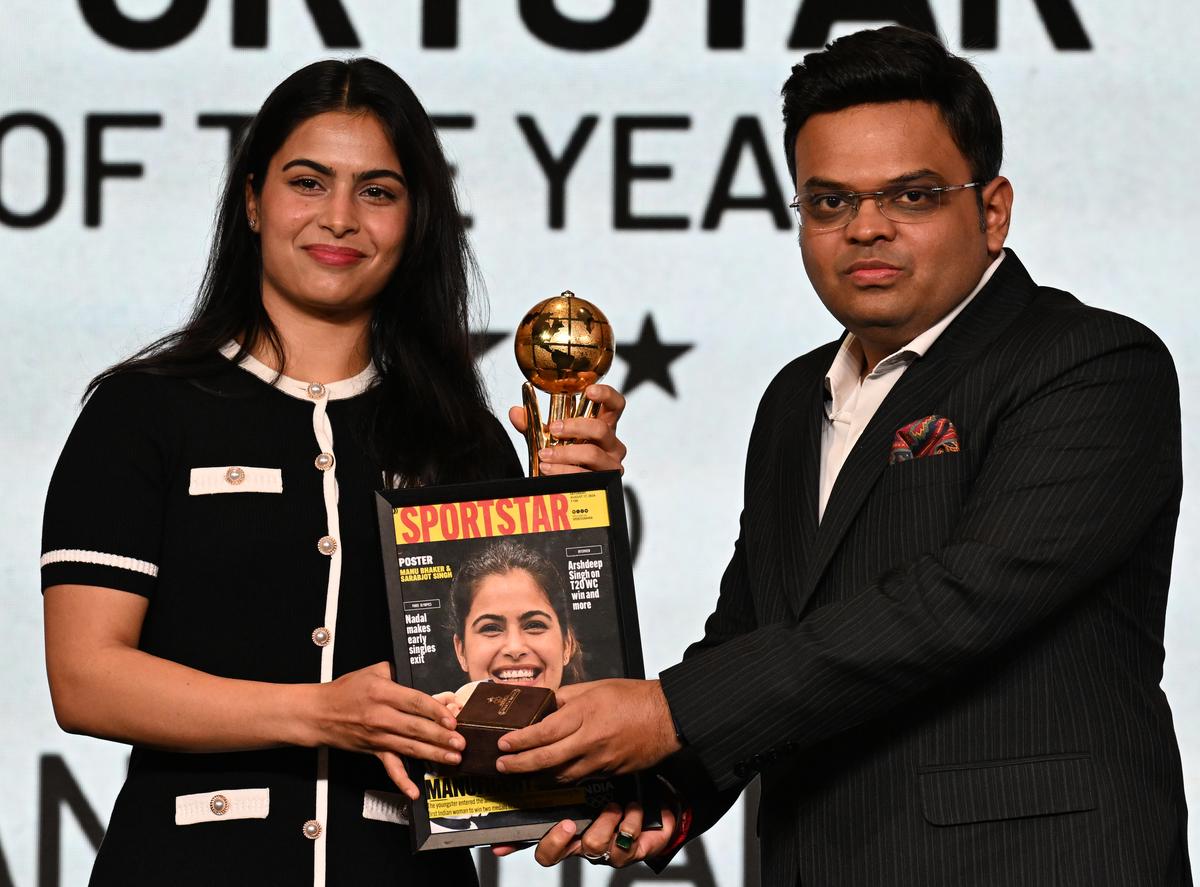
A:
{"points": [[649, 359], [483, 341]]}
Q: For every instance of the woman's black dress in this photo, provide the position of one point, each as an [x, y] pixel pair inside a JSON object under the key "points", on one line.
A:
{"points": [[241, 506]]}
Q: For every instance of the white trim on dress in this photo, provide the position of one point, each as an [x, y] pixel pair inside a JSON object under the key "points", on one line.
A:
{"points": [[338, 390], [385, 807], [234, 479], [320, 394], [80, 556], [236, 803]]}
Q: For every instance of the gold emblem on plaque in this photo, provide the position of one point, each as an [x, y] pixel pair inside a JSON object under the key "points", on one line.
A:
{"points": [[504, 703]]}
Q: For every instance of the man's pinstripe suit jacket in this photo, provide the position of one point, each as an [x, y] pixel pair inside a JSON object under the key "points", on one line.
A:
{"points": [[954, 679]]}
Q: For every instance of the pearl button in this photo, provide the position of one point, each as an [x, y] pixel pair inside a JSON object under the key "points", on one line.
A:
{"points": [[321, 636], [324, 461], [235, 476], [312, 829], [316, 390], [327, 545], [219, 805]]}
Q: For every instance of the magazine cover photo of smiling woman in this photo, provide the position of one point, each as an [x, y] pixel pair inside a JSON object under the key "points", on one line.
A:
{"points": [[509, 617]]}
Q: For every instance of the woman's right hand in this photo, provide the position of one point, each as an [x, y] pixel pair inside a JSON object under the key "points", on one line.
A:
{"points": [[103, 685], [367, 711]]}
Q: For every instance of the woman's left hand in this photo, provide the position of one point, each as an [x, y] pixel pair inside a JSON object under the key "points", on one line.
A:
{"points": [[596, 446]]}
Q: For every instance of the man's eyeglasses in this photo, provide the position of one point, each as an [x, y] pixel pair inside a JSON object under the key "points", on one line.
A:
{"points": [[826, 210]]}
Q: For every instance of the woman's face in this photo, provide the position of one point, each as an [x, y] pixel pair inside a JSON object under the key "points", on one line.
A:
{"points": [[512, 635], [332, 214]]}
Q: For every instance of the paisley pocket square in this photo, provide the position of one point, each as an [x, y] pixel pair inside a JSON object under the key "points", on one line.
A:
{"points": [[930, 436]]}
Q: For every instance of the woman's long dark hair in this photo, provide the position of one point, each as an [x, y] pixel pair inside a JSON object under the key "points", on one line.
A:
{"points": [[432, 422]]}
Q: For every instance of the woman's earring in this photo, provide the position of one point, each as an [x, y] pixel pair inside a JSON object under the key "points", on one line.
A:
{"points": [[254, 223]]}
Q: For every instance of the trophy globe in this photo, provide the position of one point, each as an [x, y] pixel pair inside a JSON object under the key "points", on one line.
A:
{"points": [[563, 345]]}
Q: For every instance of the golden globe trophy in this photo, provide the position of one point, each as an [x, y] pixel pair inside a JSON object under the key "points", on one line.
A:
{"points": [[563, 345]]}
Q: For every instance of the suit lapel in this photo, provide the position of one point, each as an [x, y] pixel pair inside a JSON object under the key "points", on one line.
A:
{"points": [[923, 383], [799, 482]]}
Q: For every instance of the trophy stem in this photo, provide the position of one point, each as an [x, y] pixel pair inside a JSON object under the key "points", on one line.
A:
{"points": [[535, 431], [586, 409], [562, 406]]}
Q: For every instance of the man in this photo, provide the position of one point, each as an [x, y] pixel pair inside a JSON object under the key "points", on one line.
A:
{"points": [[939, 639]]}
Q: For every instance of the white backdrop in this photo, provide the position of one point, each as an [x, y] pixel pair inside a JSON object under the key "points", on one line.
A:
{"points": [[1101, 148]]}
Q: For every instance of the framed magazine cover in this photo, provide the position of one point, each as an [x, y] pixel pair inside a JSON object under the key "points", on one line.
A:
{"points": [[517, 582]]}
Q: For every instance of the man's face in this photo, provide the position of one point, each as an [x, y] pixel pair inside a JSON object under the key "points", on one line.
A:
{"points": [[885, 281]]}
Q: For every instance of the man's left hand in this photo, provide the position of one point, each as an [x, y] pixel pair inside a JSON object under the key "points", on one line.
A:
{"points": [[610, 727]]}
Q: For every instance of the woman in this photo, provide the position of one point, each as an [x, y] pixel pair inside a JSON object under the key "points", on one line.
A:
{"points": [[212, 572], [508, 611]]}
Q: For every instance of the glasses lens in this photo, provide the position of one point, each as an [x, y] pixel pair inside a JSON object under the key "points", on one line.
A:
{"points": [[818, 210], [910, 203]]}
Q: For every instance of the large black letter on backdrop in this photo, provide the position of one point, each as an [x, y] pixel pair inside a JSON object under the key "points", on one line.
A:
{"points": [[625, 171], [726, 24], [696, 871], [250, 23], [176, 22], [557, 169], [746, 133], [59, 787], [816, 18], [455, 121], [234, 124], [96, 169], [570, 870], [439, 24], [487, 867], [1059, 16], [6, 878], [622, 22], [55, 175]]}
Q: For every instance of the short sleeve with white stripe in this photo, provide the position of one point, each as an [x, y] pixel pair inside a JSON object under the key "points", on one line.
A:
{"points": [[104, 510]]}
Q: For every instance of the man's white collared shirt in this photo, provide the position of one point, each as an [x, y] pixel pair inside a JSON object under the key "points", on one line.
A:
{"points": [[852, 398]]}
